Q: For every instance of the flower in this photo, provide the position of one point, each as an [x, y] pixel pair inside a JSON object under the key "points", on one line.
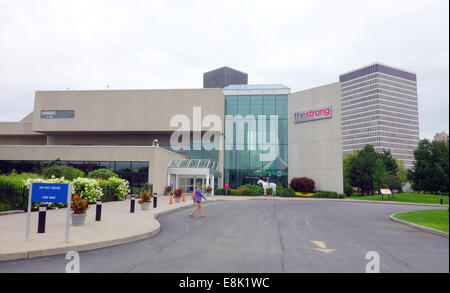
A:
{"points": [[79, 205], [145, 197], [178, 192]]}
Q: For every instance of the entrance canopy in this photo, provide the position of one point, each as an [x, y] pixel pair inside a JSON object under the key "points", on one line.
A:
{"points": [[196, 170]]}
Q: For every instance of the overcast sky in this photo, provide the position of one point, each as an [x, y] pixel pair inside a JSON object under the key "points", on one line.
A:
{"points": [[55, 45]]}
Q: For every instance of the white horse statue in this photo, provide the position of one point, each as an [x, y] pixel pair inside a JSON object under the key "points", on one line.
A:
{"points": [[266, 185]]}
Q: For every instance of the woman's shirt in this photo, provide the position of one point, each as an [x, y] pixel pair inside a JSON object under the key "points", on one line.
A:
{"points": [[198, 195]]}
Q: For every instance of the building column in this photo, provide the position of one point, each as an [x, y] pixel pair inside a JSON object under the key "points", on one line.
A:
{"points": [[168, 178], [176, 180], [212, 185]]}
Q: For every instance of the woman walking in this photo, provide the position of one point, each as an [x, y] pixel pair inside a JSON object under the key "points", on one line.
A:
{"points": [[198, 201]]}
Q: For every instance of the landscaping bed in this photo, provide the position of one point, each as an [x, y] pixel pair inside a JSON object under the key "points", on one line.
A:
{"points": [[436, 219], [406, 197]]}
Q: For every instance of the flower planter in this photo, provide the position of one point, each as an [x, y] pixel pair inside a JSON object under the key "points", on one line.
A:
{"points": [[145, 205], [78, 219], [178, 199]]}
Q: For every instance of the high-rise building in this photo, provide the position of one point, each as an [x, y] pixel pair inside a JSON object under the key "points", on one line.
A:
{"points": [[379, 107], [441, 136], [223, 77]]}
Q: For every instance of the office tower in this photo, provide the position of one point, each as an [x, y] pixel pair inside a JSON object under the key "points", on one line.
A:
{"points": [[379, 107]]}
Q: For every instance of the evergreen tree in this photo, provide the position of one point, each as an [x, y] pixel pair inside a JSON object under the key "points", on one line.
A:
{"points": [[389, 161], [431, 167], [362, 168], [380, 175]]}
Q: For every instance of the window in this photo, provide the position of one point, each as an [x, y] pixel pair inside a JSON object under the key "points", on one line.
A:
{"points": [[50, 114]]}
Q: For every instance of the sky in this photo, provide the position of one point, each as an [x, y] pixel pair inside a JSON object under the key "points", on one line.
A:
{"points": [[134, 44]]}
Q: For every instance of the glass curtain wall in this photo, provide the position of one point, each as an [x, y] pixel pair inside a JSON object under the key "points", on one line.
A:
{"points": [[244, 165], [135, 172]]}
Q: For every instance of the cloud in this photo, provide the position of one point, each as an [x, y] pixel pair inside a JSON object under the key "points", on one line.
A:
{"points": [[52, 45]]}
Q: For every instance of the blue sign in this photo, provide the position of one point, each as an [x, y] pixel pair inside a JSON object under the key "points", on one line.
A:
{"points": [[171, 185], [49, 192]]}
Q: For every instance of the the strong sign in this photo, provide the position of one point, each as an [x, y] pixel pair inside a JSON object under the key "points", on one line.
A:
{"points": [[313, 114]]}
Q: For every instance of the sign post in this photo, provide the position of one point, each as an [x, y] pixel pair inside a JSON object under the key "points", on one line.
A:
{"points": [[384, 191], [49, 192], [226, 186]]}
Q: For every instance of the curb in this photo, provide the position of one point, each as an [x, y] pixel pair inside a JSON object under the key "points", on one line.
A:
{"points": [[94, 245], [353, 200], [13, 212], [419, 227]]}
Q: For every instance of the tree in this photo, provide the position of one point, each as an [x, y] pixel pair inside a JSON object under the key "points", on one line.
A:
{"points": [[402, 171], [346, 161], [431, 167], [389, 161], [394, 182], [59, 171], [380, 175], [362, 168]]}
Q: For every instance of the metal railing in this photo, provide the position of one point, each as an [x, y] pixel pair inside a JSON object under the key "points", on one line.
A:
{"points": [[16, 197]]}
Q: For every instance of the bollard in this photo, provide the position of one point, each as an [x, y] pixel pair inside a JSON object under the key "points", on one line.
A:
{"points": [[42, 215], [442, 201], [98, 210], [132, 204], [155, 200]]}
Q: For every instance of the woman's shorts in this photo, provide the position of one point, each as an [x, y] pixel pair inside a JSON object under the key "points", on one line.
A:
{"points": [[197, 201]]}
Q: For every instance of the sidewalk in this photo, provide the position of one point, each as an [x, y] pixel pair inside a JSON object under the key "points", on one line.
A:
{"points": [[117, 226]]}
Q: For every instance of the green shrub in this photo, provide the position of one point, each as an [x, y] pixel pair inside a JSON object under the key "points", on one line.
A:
{"points": [[285, 192], [4, 207], [102, 174], [250, 189], [16, 180], [329, 194], [348, 189], [67, 172], [119, 187], [219, 191], [89, 189]]}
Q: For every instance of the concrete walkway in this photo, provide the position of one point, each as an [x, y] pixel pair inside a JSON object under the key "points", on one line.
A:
{"points": [[118, 226]]}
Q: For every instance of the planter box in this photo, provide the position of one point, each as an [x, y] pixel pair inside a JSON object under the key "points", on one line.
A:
{"points": [[144, 206], [78, 219]]}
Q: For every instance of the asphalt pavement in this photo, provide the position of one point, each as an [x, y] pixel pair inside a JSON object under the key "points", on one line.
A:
{"points": [[268, 236]]}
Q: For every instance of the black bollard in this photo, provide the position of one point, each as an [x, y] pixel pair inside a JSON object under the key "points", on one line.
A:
{"points": [[98, 210], [155, 200], [132, 204], [42, 215]]}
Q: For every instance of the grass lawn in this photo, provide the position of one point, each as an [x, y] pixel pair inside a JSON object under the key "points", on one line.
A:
{"points": [[436, 219], [406, 197]]}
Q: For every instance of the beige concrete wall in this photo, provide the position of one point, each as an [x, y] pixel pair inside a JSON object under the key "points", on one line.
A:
{"points": [[17, 128], [23, 140], [315, 147], [123, 110], [158, 158], [28, 118], [107, 139]]}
